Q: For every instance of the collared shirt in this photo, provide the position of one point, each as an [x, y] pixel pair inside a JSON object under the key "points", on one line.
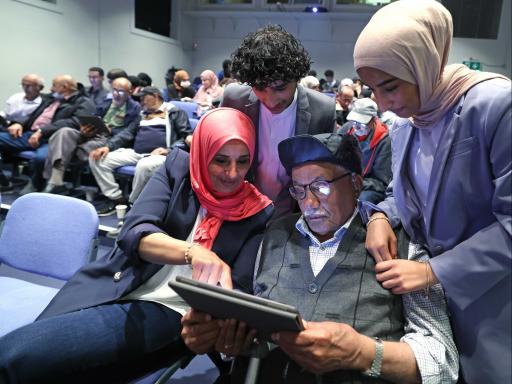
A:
{"points": [[97, 95], [427, 325], [321, 252], [115, 115], [18, 108], [270, 176], [46, 116]]}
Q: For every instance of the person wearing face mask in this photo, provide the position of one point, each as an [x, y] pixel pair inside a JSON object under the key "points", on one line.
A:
{"points": [[59, 110], [179, 88], [375, 144], [119, 114], [117, 319]]}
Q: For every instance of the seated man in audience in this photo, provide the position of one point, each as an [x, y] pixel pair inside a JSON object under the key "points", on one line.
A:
{"points": [[119, 114], [56, 111], [354, 329], [277, 105], [344, 99], [18, 108], [96, 91], [161, 127], [331, 85], [375, 144]]}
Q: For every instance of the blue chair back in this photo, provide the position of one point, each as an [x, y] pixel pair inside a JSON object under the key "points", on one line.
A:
{"points": [[49, 235], [188, 106]]}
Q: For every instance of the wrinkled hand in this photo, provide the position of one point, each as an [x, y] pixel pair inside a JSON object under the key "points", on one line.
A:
{"points": [[381, 240], [99, 153], [188, 140], [87, 130], [15, 130], [200, 332], [404, 276], [34, 140], [325, 346], [234, 337], [209, 268], [160, 151]]}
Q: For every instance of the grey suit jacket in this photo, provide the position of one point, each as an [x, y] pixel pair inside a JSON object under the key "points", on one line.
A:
{"points": [[316, 113], [468, 223]]}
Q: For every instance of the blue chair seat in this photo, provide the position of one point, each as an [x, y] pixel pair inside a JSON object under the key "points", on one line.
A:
{"points": [[28, 298], [127, 170]]}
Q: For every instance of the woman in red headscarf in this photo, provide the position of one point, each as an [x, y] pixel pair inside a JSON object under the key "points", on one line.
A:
{"points": [[197, 217]]}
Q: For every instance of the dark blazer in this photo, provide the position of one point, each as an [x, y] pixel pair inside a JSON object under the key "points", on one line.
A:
{"points": [[168, 205], [66, 114], [131, 122]]}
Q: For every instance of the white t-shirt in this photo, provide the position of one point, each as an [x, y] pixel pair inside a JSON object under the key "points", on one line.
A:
{"points": [[271, 177], [157, 290]]}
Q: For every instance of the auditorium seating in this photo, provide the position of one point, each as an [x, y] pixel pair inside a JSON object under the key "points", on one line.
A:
{"points": [[44, 240]]}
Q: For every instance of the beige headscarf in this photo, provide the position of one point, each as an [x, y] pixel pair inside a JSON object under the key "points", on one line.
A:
{"points": [[411, 40]]}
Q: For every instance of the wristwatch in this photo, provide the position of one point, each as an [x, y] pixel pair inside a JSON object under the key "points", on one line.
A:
{"points": [[376, 366]]}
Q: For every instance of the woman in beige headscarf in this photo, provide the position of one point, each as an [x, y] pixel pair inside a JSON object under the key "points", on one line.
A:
{"points": [[209, 92], [451, 187]]}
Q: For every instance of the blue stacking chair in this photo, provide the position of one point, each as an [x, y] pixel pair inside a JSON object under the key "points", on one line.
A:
{"points": [[44, 240], [188, 106]]}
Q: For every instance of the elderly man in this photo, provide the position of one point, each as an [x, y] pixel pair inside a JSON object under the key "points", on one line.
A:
{"points": [[20, 105], [60, 110], [270, 62], [146, 145], [17, 109], [355, 330], [118, 113], [375, 145], [344, 99]]}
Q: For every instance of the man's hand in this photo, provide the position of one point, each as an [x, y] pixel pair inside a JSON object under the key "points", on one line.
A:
{"points": [[87, 130], [199, 331], [380, 238], [35, 139], [327, 346], [188, 140], [99, 153], [15, 130], [160, 151], [234, 337]]}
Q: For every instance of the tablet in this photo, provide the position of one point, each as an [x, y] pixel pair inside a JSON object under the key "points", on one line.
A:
{"points": [[266, 316], [97, 122]]}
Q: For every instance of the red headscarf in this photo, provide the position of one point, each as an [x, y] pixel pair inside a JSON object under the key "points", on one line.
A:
{"points": [[215, 129]]}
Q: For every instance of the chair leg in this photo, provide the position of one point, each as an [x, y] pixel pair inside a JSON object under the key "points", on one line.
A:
{"points": [[252, 371]]}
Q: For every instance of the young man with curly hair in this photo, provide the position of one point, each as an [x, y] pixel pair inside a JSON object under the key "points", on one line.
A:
{"points": [[269, 63]]}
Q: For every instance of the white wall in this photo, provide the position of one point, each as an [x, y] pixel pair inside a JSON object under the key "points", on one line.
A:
{"points": [[329, 38], [79, 34], [82, 33]]}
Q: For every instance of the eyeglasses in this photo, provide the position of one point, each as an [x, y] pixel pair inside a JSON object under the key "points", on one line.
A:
{"points": [[321, 188], [359, 125], [119, 91]]}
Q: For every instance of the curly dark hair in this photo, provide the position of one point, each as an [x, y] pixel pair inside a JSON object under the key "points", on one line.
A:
{"points": [[268, 55]]}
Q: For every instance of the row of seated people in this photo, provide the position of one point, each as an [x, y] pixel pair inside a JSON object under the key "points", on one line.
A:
{"points": [[121, 112], [140, 134]]}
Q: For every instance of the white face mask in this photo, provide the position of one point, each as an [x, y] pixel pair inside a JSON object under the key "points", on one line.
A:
{"points": [[57, 96], [359, 131], [185, 84]]}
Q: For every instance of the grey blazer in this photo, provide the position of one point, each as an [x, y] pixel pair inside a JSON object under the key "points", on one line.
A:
{"points": [[316, 113], [468, 219]]}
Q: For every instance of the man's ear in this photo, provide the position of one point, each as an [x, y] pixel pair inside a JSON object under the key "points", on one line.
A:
{"points": [[357, 182]]}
